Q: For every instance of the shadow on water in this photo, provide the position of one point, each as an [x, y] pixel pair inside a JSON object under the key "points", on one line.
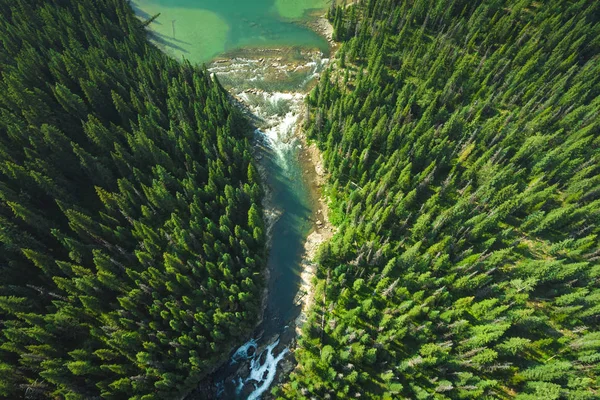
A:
{"points": [[166, 41], [255, 365], [165, 37], [141, 13]]}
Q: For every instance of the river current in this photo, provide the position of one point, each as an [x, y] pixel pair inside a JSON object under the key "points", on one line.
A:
{"points": [[291, 215], [272, 89]]}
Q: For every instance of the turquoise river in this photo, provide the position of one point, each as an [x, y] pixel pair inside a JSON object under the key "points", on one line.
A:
{"points": [[202, 31]]}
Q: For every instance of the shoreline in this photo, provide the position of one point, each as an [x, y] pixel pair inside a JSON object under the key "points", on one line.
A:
{"points": [[323, 27], [311, 160]]}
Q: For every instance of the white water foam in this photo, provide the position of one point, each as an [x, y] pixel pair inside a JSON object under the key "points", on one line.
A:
{"points": [[242, 354], [263, 374], [317, 67], [280, 130]]}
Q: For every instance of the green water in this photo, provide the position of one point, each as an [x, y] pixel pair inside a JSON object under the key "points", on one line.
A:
{"points": [[200, 30]]}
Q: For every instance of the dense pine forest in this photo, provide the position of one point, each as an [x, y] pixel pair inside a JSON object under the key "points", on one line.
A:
{"points": [[462, 140], [130, 224]]}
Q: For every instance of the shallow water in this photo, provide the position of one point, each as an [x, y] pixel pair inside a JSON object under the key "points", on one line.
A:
{"points": [[200, 30]]}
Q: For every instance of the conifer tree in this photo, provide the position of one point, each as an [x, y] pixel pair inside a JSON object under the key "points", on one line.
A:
{"points": [[121, 229], [461, 141]]}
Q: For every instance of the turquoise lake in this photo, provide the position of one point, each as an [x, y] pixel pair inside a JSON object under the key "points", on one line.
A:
{"points": [[201, 30]]}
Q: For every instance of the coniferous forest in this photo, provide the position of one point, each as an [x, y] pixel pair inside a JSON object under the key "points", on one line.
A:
{"points": [[131, 233], [462, 144], [462, 139]]}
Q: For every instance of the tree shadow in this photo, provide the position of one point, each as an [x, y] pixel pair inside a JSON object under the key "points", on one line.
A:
{"points": [[171, 39], [141, 13], [165, 41]]}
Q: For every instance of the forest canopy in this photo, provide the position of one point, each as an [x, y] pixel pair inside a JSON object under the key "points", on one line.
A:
{"points": [[131, 235], [462, 139]]}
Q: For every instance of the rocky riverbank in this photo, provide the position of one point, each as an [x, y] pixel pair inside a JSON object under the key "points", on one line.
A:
{"points": [[323, 230]]}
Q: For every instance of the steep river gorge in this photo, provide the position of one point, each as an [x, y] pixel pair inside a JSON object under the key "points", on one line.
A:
{"points": [[268, 58], [290, 206]]}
